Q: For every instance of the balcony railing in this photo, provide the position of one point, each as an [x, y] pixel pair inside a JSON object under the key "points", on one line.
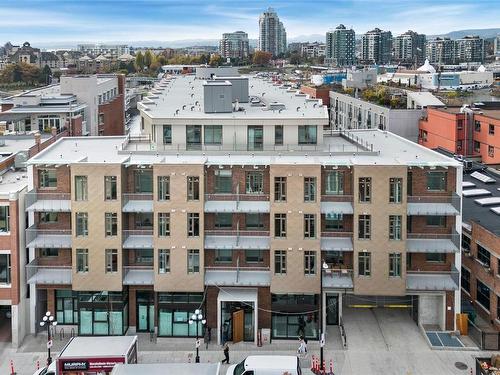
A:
{"points": [[238, 276], [237, 239], [137, 239], [434, 204], [37, 273], [336, 198], [244, 203], [337, 234], [47, 202], [338, 278], [137, 202], [48, 238], [336, 241], [433, 242], [236, 197], [138, 275], [433, 280]]}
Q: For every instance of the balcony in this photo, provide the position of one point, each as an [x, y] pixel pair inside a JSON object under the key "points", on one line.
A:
{"points": [[336, 241], [137, 239], [48, 238], [237, 276], [337, 204], [237, 203], [137, 202], [237, 239], [434, 205], [138, 275], [432, 280], [432, 243], [47, 202], [37, 273], [338, 278]]}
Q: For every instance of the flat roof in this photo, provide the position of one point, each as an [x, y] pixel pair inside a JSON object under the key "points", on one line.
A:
{"points": [[13, 181], [15, 143], [358, 147], [102, 346], [181, 93], [425, 98], [167, 368], [482, 215]]}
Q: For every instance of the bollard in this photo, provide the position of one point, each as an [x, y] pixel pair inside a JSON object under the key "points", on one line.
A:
{"points": [[38, 364], [12, 372], [331, 366]]}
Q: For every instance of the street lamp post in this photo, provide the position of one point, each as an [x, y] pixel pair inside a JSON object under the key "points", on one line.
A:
{"points": [[196, 318], [48, 321], [324, 266]]}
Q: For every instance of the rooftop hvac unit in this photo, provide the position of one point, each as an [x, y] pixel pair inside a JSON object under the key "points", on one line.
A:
{"points": [[20, 159]]}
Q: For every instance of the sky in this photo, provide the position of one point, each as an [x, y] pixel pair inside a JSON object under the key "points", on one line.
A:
{"points": [[49, 22]]}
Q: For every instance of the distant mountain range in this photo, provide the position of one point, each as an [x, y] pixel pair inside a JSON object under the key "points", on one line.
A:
{"points": [[483, 33]]}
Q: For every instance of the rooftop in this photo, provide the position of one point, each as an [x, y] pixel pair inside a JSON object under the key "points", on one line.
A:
{"points": [[359, 147], [182, 97], [482, 214], [12, 182], [105, 346], [167, 368]]}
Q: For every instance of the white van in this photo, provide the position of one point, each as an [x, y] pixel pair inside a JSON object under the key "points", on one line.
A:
{"points": [[51, 370], [266, 365]]}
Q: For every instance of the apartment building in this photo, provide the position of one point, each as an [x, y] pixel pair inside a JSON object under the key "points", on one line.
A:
{"points": [[376, 47], [468, 131], [313, 50], [481, 245], [85, 105], [272, 33], [341, 46], [233, 207], [409, 48], [234, 45], [440, 51], [469, 49]]}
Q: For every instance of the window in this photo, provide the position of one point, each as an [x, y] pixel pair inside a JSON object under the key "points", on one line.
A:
{"points": [[483, 255], [483, 295], [436, 181], [279, 225], [4, 219], [5, 269], [255, 182], [364, 227], [309, 226], [48, 217], [364, 263], [111, 260], [435, 221], [81, 188], [491, 129], [279, 189], [224, 256], [213, 134], [163, 260], [193, 188], [278, 135], [47, 178], [477, 146], [223, 181], [144, 256], [491, 151], [163, 224], [254, 221], [144, 220], [47, 122], [395, 190], [395, 227], [280, 262], [111, 223], [334, 222], [193, 261], [460, 124], [307, 135], [365, 188], [309, 262], [435, 257], [465, 277], [82, 260], [223, 220], [334, 183], [309, 189], [466, 243], [49, 252], [254, 256], [477, 126], [193, 224], [163, 188], [110, 190], [255, 138], [395, 265], [66, 307], [82, 224], [167, 134], [193, 137]]}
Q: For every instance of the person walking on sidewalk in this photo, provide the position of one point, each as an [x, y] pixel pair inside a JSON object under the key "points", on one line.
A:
{"points": [[226, 353]]}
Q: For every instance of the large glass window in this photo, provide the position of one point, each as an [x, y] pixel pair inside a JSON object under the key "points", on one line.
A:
{"points": [[81, 188], [163, 188], [435, 257], [193, 188], [309, 226], [82, 223], [279, 225], [364, 227], [483, 295], [334, 184], [167, 134], [143, 181], [309, 189], [255, 138], [193, 261], [193, 137], [287, 323], [48, 217], [163, 224], [483, 255], [102, 313], [47, 178], [395, 190], [254, 221], [395, 227], [111, 223], [254, 256], [174, 311], [223, 181], [280, 262], [47, 122], [4, 219], [334, 222], [365, 189], [465, 277], [223, 256], [309, 262], [308, 135], [193, 224], [223, 220], [255, 182], [110, 190], [436, 181], [163, 260], [364, 263], [213, 134], [5, 269], [435, 221], [111, 260], [66, 306], [395, 264], [82, 260], [279, 189], [278, 135]]}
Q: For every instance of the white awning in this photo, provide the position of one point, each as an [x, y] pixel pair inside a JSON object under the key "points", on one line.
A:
{"points": [[138, 277], [430, 282], [336, 208], [138, 242], [138, 206], [431, 209], [237, 278], [234, 206], [237, 295], [59, 241], [234, 242], [51, 276], [336, 244], [337, 281], [50, 205], [421, 245]]}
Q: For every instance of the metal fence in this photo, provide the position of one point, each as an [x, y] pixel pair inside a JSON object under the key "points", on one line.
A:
{"points": [[484, 340]]}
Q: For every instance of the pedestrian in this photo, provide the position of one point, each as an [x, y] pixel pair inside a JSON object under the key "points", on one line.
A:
{"points": [[302, 346], [226, 353]]}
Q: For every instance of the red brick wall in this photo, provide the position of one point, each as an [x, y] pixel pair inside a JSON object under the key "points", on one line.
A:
{"points": [[441, 128], [12, 242], [348, 187], [210, 259], [5, 107], [63, 174], [238, 177], [114, 117], [264, 302], [450, 314], [241, 218], [317, 93], [419, 225], [76, 126], [419, 263], [487, 139], [419, 180]]}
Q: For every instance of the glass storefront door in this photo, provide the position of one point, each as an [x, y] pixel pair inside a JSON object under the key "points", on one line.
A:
{"points": [[227, 329], [145, 311], [332, 309]]}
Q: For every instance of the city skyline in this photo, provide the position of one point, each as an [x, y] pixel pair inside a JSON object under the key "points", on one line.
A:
{"points": [[53, 22]]}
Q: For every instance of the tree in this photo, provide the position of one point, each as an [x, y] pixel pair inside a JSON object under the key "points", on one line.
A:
{"points": [[148, 58], [139, 61], [45, 76], [215, 60], [295, 59], [262, 58]]}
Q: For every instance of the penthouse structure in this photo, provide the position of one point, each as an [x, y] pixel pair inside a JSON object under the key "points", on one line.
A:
{"points": [[234, 202]]}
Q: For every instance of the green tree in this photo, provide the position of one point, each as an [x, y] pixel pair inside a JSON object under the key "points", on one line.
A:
{"points": [[148, 58], [215, 60], [295, 59], [262, 58], [139, 61], [45, 76]]}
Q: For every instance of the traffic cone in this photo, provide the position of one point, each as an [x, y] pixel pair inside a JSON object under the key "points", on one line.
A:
{"points": [[312, 363], [331, 366], [38, 364], [12, 372]]}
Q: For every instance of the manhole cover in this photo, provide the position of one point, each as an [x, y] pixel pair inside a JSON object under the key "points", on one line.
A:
{"points": [[460, 365]]}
